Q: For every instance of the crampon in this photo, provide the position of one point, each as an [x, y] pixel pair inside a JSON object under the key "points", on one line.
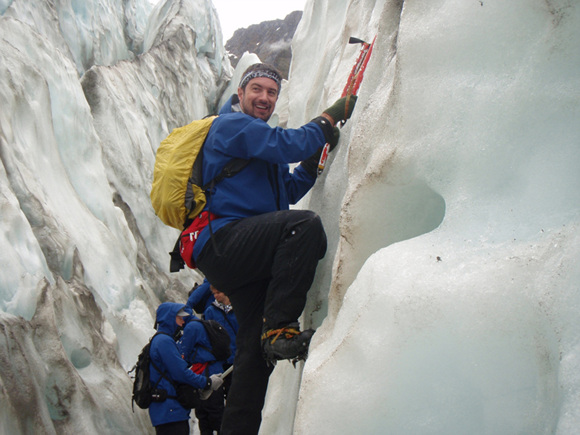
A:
{"points": [[286, 343]]}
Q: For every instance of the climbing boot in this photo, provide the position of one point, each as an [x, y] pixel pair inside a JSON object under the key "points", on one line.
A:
{"points": [[286, 343]]}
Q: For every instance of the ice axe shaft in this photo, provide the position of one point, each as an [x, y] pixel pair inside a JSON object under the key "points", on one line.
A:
{"points": [[352, 85], [358, 69], [227, 372], [224, 374]]}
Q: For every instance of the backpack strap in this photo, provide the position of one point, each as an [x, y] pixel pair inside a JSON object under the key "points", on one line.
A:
{"points": [[163, 375], [230, 169], [176, 263], [227, 320]]}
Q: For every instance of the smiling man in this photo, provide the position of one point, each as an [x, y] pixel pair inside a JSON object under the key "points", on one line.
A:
{"points": [[258, 98], [255, 250]]}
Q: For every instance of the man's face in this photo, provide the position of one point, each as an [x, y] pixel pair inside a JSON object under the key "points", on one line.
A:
{"points": [[259, 97], [219, 296]]}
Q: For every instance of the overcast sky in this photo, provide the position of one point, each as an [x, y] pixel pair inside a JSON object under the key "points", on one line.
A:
{"points": [[235, 14]]}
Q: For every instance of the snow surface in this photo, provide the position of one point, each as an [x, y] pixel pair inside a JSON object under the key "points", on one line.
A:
{"points": [[448, 300]]}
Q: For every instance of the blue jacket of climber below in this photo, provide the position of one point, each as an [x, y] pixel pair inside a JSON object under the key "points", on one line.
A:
{"points": [[167, 358]]}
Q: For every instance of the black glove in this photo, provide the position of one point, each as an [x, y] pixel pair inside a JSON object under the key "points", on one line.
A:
{"points": [[331, 134], [333, 142], [310, 165], [342, 109]]}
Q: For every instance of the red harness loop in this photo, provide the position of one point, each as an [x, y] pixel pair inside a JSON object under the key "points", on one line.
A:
{"points": [[189, 237]]}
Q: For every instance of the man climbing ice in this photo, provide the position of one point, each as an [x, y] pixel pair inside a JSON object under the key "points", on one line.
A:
{"points": [[262, 255]]}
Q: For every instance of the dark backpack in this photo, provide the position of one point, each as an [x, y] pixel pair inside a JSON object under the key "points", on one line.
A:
{"points": [[144, 392], [218, 337]]}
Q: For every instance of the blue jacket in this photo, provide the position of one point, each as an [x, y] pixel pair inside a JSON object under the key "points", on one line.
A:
{"points": [[266, 183], [228, 320], [200, 293], [166, 356], [195, 347]]}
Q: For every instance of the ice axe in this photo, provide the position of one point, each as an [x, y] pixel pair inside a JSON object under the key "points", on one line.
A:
{"points": [[224, 374], [205, 394], [352, 85], [227, 372]]}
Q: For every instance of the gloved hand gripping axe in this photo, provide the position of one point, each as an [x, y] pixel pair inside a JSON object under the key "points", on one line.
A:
{"points": [[218, 379]]}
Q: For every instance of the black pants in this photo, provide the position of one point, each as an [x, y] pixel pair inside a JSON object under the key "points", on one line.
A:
{"points": [[227, 381], [176, 428], [210, 412], [265, 264]]}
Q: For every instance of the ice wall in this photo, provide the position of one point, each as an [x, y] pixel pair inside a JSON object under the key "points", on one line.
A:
{"points": [[452, 279], [448, 299]]}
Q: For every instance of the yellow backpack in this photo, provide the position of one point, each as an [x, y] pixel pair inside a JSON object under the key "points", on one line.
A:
{"points": [[177, 192]]}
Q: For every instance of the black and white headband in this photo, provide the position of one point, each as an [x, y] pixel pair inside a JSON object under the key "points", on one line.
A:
{"points": [[261, 73]]}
